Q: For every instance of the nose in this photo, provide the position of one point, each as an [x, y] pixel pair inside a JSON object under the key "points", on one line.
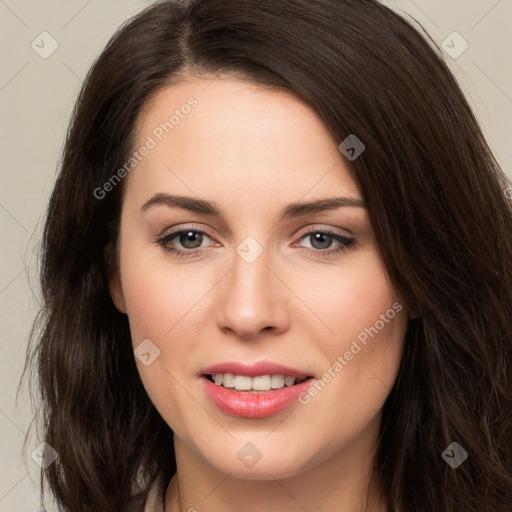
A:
{"points": [[253, 301]]}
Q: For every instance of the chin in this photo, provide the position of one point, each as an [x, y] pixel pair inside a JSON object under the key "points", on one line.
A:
{"points": [[266, 463]]}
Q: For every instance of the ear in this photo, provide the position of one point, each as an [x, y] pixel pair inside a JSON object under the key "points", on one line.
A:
{"points": [[116, 292], [114, 278]]}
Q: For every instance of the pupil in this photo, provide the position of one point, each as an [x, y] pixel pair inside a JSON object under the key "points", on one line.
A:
{"points": [[188, 237], [321, 238]]}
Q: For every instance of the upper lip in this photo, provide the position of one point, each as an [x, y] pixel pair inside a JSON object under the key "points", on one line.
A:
{"points": [[254, 369]]}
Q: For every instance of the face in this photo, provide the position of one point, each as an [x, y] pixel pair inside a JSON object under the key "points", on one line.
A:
{"points": [[234, 285]]}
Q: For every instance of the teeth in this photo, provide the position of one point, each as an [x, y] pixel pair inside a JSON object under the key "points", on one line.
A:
{"points": [[289, 381], [277, 381], [260, 383], [228, 380], [263, 383], [243, 383]]}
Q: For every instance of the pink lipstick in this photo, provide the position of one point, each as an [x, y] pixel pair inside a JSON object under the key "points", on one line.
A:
{"points": [[253, 390]]}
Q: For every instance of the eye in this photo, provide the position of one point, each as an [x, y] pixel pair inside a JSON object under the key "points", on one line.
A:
{"points": [[321, 242], [189, 238], [188, 242], [184, 242]]}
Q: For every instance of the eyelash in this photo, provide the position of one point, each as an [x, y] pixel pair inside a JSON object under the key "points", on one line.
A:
{"points": [[346, 243]]}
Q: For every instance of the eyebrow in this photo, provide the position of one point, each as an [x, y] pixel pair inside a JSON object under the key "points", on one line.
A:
{"points": [[291, 210]]}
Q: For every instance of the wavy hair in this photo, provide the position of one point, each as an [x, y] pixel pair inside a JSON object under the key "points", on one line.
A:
{"points": [[435, 196]]}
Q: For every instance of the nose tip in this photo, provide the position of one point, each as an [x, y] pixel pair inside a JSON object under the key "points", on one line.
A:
{"points": [[252, 302], [248, 326]]}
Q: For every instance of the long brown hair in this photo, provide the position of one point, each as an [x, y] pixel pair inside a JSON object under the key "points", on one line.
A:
{"points": [[436, 201]]}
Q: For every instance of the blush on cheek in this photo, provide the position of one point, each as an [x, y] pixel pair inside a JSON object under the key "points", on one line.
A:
{"points": [[360, 316], [156, 301]]}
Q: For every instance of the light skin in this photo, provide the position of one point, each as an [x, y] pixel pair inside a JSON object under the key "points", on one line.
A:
{"points": [[252, 151]]}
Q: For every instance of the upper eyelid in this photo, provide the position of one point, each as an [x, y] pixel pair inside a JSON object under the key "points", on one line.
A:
{"points": [[176, 231], [333, 231]]}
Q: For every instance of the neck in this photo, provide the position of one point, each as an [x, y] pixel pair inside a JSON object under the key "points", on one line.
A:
{"points": [[338, 483]]}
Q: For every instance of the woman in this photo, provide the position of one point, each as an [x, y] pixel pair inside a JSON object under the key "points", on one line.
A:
{"points": [[276, 272]]}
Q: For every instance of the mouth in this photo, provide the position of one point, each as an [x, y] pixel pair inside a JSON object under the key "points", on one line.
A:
{"points": [[255, 390], [259, 384]]}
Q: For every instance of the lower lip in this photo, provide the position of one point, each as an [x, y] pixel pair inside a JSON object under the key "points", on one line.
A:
{"points": [[253, 405]]}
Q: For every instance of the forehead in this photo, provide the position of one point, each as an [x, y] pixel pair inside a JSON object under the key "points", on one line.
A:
{"points": [[225, 135]]}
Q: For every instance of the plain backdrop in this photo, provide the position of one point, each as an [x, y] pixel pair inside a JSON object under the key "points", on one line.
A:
{"points": [[37, 92]]}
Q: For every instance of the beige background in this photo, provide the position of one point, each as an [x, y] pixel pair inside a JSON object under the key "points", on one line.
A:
{"points": [[36, 97]]}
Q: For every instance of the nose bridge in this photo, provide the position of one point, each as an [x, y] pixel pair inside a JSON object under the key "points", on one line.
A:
{"points": [[250, 273], [252, 299]]}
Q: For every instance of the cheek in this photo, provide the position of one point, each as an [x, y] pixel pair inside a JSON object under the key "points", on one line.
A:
{"points": [[158, 296], [162, 306], [167, 304], [362, 350], [348, 302]]}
